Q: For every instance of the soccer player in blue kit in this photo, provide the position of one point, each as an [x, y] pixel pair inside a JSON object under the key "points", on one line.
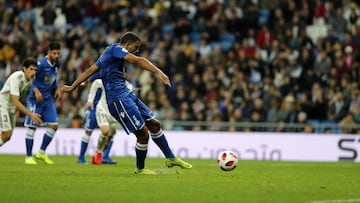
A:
{"points": [[43, 91], [134, 116]]}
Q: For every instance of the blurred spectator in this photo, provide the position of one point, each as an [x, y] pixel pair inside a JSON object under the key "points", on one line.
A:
{"points": [[48, 13], [234, 17], [338, 23], [293, 67], [258, 114], [305, 13], [349, 123], [302, 119], [4, 13], [265, 37], [305, 105], [202, 11], [322, 65], [72, 11], [290, 108], [348, 58], [250, 16], [319, 103], [27, 13], [204, 47], [308, 128], [93, 11], [338, 107], [212, 32], [255, 70], [7, 53], [352, 15], [320, 12]]}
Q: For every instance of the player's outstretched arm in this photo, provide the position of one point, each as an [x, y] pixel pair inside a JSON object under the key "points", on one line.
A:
{"points": [[147, 65], [82, 77]]}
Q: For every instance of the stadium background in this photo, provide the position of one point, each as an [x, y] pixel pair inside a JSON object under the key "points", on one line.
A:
{"points": [[260, 65]]}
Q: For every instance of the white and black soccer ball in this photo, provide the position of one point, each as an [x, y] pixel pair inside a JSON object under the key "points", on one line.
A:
{"points": [[227, 160]]}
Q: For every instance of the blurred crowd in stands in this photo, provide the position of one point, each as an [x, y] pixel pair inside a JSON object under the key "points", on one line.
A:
{"points": [[234, 61]]}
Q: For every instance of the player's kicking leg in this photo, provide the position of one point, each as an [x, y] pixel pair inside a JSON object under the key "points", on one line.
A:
{"points": [[159, 138]]}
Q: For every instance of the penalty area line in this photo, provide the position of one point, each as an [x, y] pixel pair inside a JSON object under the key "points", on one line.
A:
{"points": [[337, 201]]}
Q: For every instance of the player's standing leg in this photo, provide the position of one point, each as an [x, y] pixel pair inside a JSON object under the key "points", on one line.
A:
{"points": [[141, 149], [30, 132], [114, 125], [97, 158], [128, 115], [83, 146], [108, 126], [103, 142], [89, 124], [106, 159], [29, 141], [47, 138], [49, 116], [157, 135]]}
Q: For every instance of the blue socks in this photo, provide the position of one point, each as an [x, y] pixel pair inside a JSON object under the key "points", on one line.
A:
{"points": [[84, 145], [29, 145], [106, 152], [141, 151], [48, 136], [29, 141], [83, 148]]}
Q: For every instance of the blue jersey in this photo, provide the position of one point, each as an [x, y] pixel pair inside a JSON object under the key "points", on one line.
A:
{"points": [[46, 78], [112, 72], [95, 76], [46, 82], [123, 104]]}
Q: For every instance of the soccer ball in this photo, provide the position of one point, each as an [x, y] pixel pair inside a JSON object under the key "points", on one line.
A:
{"points": [[227, 160]]}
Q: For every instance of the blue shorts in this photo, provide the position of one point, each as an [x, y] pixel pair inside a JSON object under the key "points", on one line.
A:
{"points": [[47, 111], [90, 120], [130, 112]]}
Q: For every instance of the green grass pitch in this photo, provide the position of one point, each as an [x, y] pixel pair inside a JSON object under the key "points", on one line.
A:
{"points": [[251, 181]]}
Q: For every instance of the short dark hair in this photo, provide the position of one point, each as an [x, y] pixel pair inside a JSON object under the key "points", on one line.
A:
{"points": [[29, 62], [129, 37], [54, 45]]}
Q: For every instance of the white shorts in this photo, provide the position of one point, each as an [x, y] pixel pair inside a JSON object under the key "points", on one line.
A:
{"points": [[104, 118], [7, 120]]}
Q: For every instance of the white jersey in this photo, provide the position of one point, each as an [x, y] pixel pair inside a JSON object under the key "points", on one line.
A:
{"points": [[95, 85], [16, 84]]}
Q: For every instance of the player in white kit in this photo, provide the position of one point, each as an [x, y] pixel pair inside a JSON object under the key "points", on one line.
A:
{"points": [[16, 84], [106, 122]]}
